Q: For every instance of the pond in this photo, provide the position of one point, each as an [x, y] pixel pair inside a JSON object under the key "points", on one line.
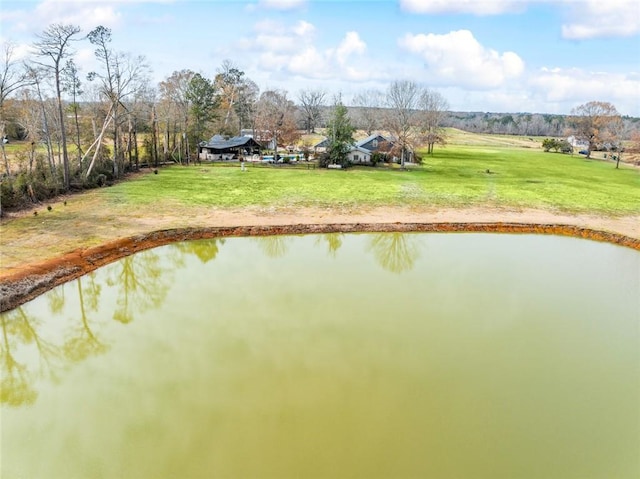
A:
{"points": [[342, 355]]}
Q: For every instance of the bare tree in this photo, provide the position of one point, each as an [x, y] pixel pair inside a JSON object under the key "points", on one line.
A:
{"points": [[12, 78], [433, 108], [245, 106], [591, 122], [275, 118], [613, 139], [311, 102], [72, 85], [122, 76], [36, 76], [54, 45], [174, 107], [403, 101], [228, 83], [369, 103]]}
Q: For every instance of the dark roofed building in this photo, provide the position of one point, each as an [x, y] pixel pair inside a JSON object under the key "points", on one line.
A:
{"points": [[376, 142], [220, 148]]}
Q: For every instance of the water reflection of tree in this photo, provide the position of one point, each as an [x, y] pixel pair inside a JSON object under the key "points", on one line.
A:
{"points": [[206, 250], [55, 298], [273, 246], [395, 252], [333, 240], [142, 284], [19, 330], [83, 341]]}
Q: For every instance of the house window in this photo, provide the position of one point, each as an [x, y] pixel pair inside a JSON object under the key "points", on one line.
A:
{"points": [[356, 158], [375, 143]]}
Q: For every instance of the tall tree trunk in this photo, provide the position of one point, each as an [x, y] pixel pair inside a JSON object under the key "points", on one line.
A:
{"points": [[6, 160], [116, 151], [165, 141], [47, 135], [66, 172], [77, 123], [154, 136], [135, 143], [129, 139]]}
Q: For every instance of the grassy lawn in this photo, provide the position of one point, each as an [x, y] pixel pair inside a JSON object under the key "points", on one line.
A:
{"points": [[454, 176]]}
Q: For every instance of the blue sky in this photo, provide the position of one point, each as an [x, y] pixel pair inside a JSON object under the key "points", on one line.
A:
{"points": [[543, 56]]}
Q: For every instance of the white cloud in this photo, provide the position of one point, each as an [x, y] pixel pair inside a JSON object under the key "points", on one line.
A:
{"points": [[304, 28], [281, 4], [350, 44], [586, 18], [599, 18], [310, 63], [267, 26], [292, 49], [279, 42], [86, 15], [457, 58], [575, 86], [475, 7]]}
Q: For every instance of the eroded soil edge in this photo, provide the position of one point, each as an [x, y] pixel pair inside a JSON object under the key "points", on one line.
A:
{"points": [[33, 280]]}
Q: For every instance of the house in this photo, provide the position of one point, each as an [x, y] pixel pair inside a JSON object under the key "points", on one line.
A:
{"points": [[376, 142], [362, 151], [321, 146], [577, 143], [358, 154], [220, 148]]}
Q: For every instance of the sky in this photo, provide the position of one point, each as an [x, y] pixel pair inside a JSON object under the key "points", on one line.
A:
{"points": [[536, 56]]}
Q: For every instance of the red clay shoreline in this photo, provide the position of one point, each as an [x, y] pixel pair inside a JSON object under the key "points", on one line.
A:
{"points": [[34, 279]]}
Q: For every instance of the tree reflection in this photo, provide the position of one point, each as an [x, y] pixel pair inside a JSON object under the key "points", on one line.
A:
{"points": [[55, 298], [18, 333], [333, 240], [273, 246], [142, 284], [16, 388], [395, 252], [25, 355], [206, 250], [84, 342]]}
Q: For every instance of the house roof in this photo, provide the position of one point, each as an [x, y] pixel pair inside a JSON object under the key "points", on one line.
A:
{"points": [[322, 143], [218, 142], [360, 149], [372, 137]]}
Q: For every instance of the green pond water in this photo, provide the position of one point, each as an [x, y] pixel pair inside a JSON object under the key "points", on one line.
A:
{"points": [[332, 356]]}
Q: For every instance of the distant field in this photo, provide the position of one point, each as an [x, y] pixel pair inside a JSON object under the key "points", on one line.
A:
{"points": [[459, 137]]}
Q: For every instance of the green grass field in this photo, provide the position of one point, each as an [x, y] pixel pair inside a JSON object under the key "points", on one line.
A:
{"points": [[453, 176]]}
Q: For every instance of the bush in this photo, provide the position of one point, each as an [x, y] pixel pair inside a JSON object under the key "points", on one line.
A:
{"points": [[324, 160], [377, 157], [557, 145]]}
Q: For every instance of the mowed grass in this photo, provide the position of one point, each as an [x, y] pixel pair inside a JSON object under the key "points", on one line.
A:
{"points": [[455, 176]]}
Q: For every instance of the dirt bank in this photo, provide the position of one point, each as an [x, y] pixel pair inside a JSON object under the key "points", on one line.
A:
{"points": [[20, 284]]}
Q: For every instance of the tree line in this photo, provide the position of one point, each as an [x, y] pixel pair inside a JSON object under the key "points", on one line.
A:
{"points": [[89, 128]]}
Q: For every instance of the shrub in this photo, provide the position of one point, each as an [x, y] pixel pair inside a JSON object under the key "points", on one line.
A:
{"points": [[557, 145]]}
